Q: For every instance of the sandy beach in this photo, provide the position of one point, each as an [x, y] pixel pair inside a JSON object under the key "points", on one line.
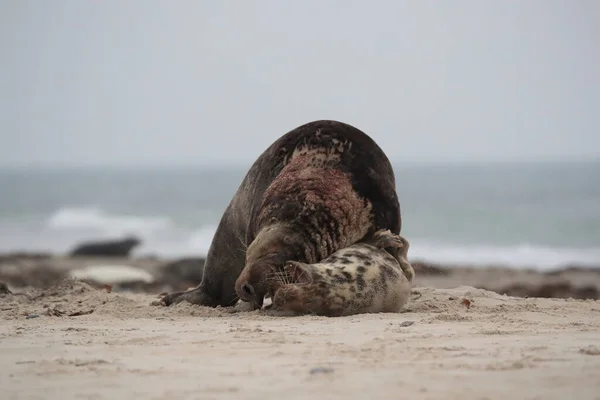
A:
{"points": [[74, 340], [138, 138]]}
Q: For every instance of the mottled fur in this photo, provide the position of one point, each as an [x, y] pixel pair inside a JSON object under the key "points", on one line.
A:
{"points": [[307, 213], [362, 278], [321, 187]]}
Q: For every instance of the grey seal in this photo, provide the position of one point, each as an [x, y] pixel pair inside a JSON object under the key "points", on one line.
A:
{"points": [[320, 187], [362, 278]]}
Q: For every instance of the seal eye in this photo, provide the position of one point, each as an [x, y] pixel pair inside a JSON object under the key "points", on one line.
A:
{"points": [[289, 265]]}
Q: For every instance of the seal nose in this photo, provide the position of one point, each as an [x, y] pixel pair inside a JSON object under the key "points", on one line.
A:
{"points": [[248, 293]]}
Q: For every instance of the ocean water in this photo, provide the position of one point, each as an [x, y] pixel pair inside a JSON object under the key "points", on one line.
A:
{"points": [[522, 215]]}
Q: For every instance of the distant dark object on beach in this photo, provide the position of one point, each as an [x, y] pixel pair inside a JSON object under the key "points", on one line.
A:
{"points": [[557, 290], [109, 248], [183, 273]]}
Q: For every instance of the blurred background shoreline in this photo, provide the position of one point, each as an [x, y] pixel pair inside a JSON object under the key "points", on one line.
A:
{"points": [[540, 215]]}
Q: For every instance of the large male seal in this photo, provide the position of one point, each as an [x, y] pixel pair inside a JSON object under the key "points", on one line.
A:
{"points": [[320, 187], [362, 278]]}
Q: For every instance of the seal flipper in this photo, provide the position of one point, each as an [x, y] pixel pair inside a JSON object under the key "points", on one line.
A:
{"points": [[385, 239], [397, 246], [194, 296]]}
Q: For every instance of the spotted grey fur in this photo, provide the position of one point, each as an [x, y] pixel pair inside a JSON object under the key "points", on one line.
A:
{"points": [[362, 278]]}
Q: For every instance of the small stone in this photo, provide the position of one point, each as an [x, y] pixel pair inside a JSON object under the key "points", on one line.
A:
{"points": [[321, 370], [406, 323]]}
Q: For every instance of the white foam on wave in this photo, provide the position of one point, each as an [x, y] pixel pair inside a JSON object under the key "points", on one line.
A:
{"points": [[517, 256], [85, 218], [194, 243]]}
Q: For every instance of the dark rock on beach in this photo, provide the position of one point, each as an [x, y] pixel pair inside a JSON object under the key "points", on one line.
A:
{"points": [[108, 248]]}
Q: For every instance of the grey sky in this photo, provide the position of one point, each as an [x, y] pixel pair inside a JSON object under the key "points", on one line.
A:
{"points": [[172, 82]]}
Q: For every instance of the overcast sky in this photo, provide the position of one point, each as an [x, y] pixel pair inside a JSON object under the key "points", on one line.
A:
{"points": [[144, 82]]}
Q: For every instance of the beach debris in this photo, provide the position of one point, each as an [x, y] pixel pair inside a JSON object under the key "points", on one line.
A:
{"points": [[84, 363], [416, 294], [108, 288], [55, 312], [29, 316], [452, 298], [321, 370], [590, 350], [466, 303], [406, 323], [4, 288], [77, 362], [79, 313]]}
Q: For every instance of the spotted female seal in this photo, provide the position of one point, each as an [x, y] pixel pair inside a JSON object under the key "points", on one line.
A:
{"points": [[362, 278], [321, 187]]}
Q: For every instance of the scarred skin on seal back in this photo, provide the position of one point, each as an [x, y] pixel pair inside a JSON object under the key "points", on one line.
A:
{"points": [[309, 211]]}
